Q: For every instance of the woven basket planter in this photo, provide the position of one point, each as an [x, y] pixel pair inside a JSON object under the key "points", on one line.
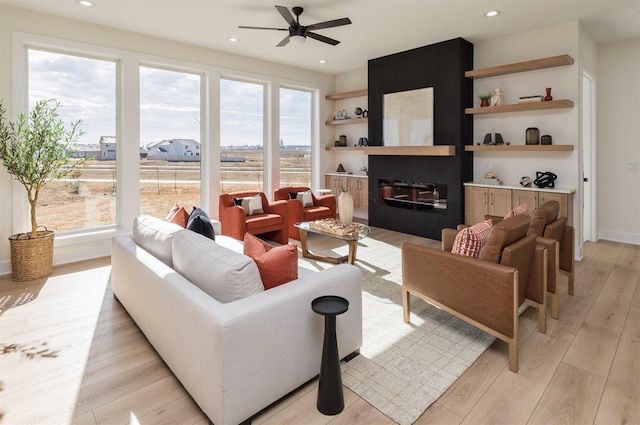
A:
{"points": [[31, 258]]}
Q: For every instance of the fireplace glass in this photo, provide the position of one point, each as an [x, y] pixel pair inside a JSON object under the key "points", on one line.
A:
{"points": [[415, 195]]}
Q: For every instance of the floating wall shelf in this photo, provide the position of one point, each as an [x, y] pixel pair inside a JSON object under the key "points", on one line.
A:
{"points": [[531, 65], [347, 95], [441, 150], [347, 121], [517, 107], [518, 148]]}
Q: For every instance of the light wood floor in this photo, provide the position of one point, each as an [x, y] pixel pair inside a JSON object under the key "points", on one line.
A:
{"points": [[69, 353]]}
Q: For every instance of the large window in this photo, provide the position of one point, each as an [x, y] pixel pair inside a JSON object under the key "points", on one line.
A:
{"points": [[295, 137], [86, 89], [241, 136], [170, 150]]}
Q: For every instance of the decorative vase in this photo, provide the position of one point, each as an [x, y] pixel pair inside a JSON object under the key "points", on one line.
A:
{"points": [[548, 97], [484, 102], [345, 208]]}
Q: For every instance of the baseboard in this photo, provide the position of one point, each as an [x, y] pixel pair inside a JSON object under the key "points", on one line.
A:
{"points": [[624, 237]]}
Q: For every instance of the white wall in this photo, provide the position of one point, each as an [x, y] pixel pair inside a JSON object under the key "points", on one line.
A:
{"points": [[618, 144]]}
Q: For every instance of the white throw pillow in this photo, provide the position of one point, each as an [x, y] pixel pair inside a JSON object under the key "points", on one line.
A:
{"points": [[251, 205], [155, 235], [306, 198], [223, 274]]}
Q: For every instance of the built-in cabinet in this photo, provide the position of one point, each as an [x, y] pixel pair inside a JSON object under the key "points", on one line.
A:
{"points": [[358, 186], [486, 199], [480, 201]]}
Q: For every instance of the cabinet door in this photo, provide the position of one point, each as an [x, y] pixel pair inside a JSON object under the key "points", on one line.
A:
{"points": [[475, 204], [528, 197], [364, 189], [499, 201]]}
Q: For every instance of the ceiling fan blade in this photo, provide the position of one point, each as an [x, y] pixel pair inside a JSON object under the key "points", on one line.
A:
{"points": [[284, 42], [322, 38], [263, 28], [329, 24], [286, 15]]}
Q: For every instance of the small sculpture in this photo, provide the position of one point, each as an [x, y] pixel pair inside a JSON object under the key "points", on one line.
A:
{"points": [[525, 181], [499, 140], [496, 99], [546, 179], [487, 139]]}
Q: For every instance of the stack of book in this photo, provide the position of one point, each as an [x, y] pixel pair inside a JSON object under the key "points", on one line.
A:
{"points": [[491, 181], [528, 99]]}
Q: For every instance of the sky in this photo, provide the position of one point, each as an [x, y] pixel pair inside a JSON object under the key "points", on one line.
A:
{"points": [[169, 102]]}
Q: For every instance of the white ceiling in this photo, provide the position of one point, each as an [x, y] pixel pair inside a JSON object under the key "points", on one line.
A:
{"points": [[379, 28]]}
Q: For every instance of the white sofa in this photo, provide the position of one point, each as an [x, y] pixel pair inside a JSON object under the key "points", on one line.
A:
{"points": [[238, 357]]}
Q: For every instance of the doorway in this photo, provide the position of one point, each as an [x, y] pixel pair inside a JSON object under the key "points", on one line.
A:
{"points": [[589, 228]]}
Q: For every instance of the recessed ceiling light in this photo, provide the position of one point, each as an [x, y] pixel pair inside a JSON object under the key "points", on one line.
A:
{"points": [[323, 61], [87, 3], [233, 39], [492, 13]]}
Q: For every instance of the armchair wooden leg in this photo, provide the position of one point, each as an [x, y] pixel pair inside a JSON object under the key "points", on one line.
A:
{"points": [[406, 306], [570, 276], [555, 312], [513, 356], [542, 319]]}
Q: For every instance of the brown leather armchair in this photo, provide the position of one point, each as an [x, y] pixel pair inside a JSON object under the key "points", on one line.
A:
{"points": [[235, 223], [323, 207], [559, 239], [485, 291]]}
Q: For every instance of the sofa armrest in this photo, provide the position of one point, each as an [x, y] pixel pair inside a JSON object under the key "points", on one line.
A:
{"points": [[448, 238], [276, 207], [328, 201], [482, 291], [495, 219], [566, 249]]}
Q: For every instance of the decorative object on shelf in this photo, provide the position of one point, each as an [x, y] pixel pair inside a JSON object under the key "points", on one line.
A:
{"points": [[345, 207], [496, 99], [546, 179], [357, 112], [487, 139], [365, 170], [529, 99], [525, 181], [508, 143], [336, 143], [343, 140], [532, 136], [340, 169], [491, 178], [546, 139], [548, 97], [484, 99], [363, 141], [341, 115], [498, 139], [365, 113]]}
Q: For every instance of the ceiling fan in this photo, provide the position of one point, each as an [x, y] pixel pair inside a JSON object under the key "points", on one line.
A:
{"points": [[298, 33]]}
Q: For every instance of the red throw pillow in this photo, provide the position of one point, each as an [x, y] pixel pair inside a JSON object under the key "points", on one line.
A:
{"points": [[178, 215], [276, 264], [470, 239], [520, 209]]}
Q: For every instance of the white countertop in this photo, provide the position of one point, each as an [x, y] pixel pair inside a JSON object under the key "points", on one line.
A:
{"points": [[364, 176], [518, 187]]}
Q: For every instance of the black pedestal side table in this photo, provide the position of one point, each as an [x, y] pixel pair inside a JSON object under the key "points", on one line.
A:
{"points": [[330, 395]]}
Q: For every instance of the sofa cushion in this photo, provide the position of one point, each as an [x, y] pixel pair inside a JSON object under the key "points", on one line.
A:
{"points": [[251, 205], [520, 209], [199, 222], [470, 239], [277, 264], [155, 235], [503, 234], [223, 274], [178, 215], [304, 197]]}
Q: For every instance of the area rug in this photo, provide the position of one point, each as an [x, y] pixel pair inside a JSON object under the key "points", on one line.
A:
{"points": [[404, 367]]}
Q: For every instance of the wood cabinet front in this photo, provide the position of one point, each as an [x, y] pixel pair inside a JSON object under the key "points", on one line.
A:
{"points": [[480, 201]]}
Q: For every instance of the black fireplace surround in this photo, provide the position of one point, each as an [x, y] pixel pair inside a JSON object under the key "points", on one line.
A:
{"points": [[441, 66]]}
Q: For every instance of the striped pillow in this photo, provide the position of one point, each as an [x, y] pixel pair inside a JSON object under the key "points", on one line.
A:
{"points": [[520, 209], [470, 239]]}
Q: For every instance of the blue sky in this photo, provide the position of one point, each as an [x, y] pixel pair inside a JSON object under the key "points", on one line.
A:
{"points": [[169, 102]]}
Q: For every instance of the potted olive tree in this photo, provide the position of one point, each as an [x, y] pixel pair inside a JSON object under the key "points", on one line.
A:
{"points": [[36, 149]]}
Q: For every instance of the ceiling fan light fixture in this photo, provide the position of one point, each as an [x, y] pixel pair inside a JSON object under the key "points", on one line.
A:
{"points": [[491, 13], [86, 3], [298, 39]]}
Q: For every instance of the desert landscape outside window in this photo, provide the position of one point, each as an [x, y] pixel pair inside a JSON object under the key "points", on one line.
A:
{"points": [[170, 149], [295, 137], [86, 89]]}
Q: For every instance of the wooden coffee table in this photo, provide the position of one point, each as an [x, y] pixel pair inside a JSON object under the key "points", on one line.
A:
{"points": [[351, 239]]}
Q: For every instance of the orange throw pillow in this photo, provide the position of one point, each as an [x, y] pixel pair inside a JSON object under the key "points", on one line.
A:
{"points": [[470, 239], [520, 209], [178, 215], [276, 264]]}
